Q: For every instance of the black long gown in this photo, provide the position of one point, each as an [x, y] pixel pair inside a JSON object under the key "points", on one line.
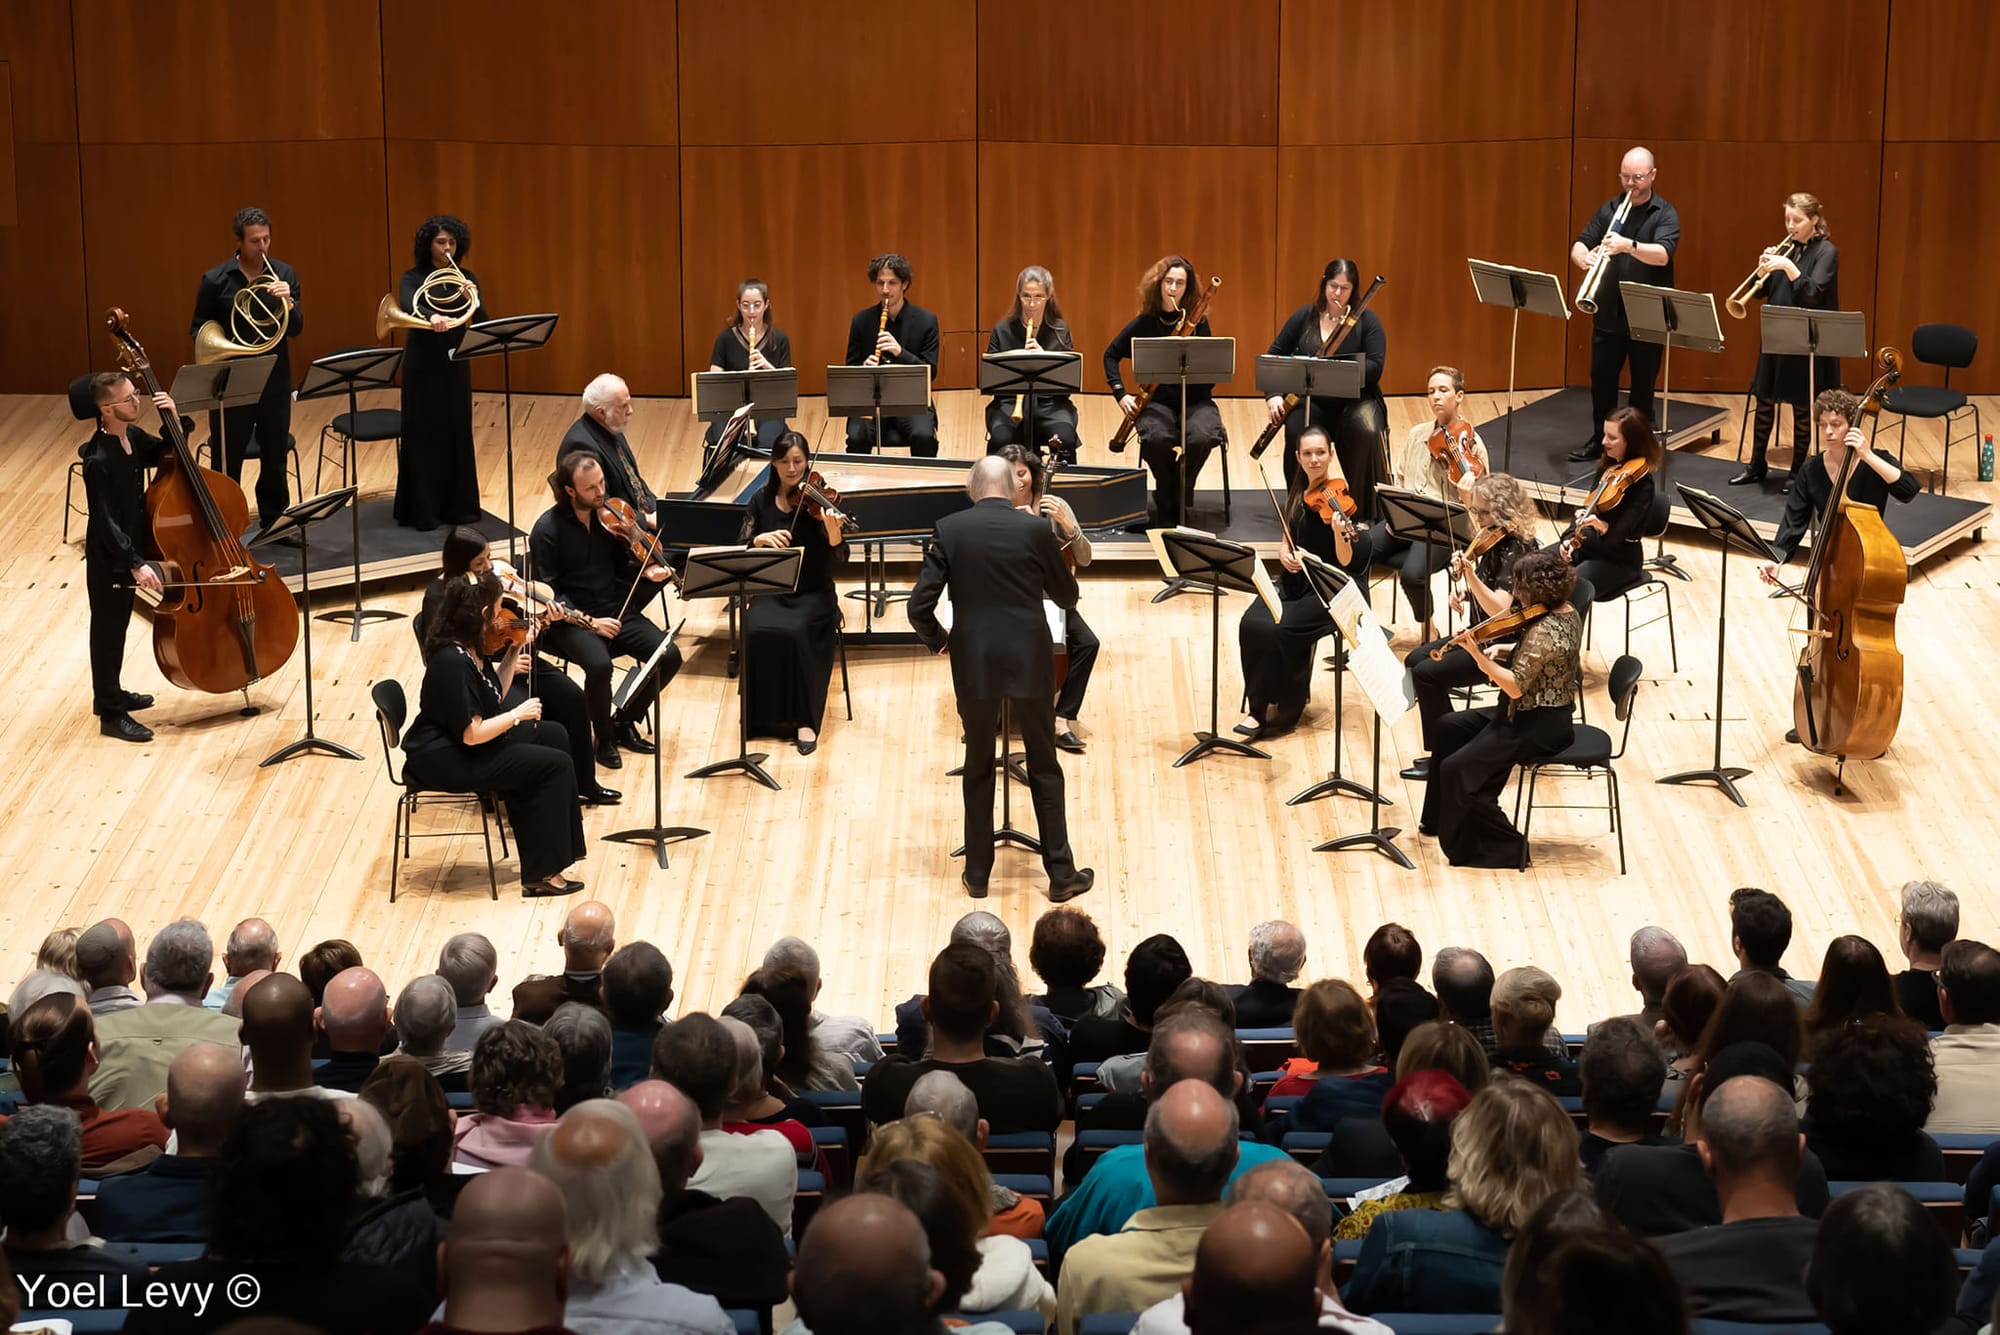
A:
{"points": [[1278, 654], [788, 639], [1359, 428], [437, 473]]}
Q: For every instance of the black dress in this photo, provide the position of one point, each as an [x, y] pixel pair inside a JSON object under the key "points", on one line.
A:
{"points": [[1817, 289], [788, 638], [1359, 428], [527, 767], [1615, 560], [1278, 654], [1054, 414], [1433, 680], [732, 353], [437, 472], [1160, 422]]}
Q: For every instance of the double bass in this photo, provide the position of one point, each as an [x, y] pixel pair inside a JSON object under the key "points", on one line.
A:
{"points": [[225, 620], [1849, 695]]}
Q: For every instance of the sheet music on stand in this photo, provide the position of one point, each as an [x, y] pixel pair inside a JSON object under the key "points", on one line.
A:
{"points": [[1671, 318], [1383, 678], [1267, 589], [1517, 290]]}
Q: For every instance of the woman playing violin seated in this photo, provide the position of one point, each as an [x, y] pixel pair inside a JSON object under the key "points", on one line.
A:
{"points": [[1604, 543], [789, 638], [1442, 459]]}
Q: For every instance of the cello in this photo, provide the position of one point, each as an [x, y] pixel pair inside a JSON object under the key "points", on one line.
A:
{"points": [[1849, 695], [224, 620]]}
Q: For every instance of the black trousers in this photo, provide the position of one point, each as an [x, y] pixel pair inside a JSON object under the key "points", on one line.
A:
{"points": [[111, 597], [528, 768], [1475, 751], [1036, 719], [269, 422], [1766, 420], [1416, 562], [1607, 579], [1433, 682], [1159, 444], [563, 704], [1080, 643], [1609, 354], [636, 639], [1051, 419], [918, 433]]}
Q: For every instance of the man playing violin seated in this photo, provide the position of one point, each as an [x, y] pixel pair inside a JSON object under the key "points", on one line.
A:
{"points": [[595, 571]]}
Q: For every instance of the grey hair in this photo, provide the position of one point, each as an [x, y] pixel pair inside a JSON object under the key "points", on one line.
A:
{"points": [[944, 1095], [369, 1131], [570, 937], [584, 1037], [41, 1157], [1931, 910], [180, 957], [597, 394], [991, 476], [426, 1011], [39, 983], [614, 1207], [1656, 954], [749, 1081], [253, 943], [794, 953], [468, 962], [983, 929], [1277, 951], [761, 1016]]}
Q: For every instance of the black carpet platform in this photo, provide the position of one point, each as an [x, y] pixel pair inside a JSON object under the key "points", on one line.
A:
{"points": [[387, 548]]}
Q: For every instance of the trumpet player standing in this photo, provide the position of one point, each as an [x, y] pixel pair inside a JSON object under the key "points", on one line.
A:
{"points": [[269, 420], [1635, 236], [1802, 270]]}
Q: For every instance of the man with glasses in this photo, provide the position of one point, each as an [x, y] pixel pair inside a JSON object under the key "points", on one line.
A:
{"points": [[1641, 251]]}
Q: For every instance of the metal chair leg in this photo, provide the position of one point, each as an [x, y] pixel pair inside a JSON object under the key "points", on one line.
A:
{"points": [[1617, 816], [846, 692], [395, 848], [486, 833]]}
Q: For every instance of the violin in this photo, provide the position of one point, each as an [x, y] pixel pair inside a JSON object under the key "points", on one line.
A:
{"points": [[1452, 446], [820, 501], [508, 630], [1494, 628], [519, 594], [619, 516], [1330, 499], [1609, 491], [1482, 542]]}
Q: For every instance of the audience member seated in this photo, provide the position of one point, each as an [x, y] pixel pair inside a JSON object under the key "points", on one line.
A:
{"points": [[1190, 1155], [426, 1013], [318, 967], [1119, 1076], [1392, 951], [107, 963], [397, 1229], [285, 1187], [638, 988], [1689, 1003], [1463, 981], [1336, 1033], [1927, 924], [1661, 1189], [516, 1071], [252, 947], [850, 1036], [865, 1268], [277, 1028], [1400, 1006], [1755, 1008], [1967, 1053], [945, 1097], [1880, 1266], [780, 1102], [584, 1036], [806, 1066], [1511, 1149], [1760, 927], [354, 1016], [470, 964], [1362, 1146], [420, 1130], [947, 1228], [233, 1007], [135, 1047], [1277, 957], [1019, 1030], [55, 1055], [1253, 1271], [41, 1149], [1752, 1265], [57, 953], [597, 1157], [1621, 1074], [1066, 953], [1854, 984], [1002, 1277], [1417, 1115], [697, 1055], [1153, 970], [1524, 1015], [34, 985], [1293, 1190], [1014, 1093], [504, 1268], [1871, 1088], [1656, 955], [167, 1200], [588, 936], [747, 1095], [1574, 1270]]}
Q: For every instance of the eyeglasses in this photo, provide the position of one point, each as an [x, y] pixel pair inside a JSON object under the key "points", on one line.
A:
{"points": [[1633, 178], [133, 397]]}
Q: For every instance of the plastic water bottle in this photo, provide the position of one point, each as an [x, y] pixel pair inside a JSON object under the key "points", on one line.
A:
{"points": [[1986, 458]]}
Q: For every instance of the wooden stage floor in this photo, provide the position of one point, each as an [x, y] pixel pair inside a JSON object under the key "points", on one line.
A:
{"points": [[852, 854]]}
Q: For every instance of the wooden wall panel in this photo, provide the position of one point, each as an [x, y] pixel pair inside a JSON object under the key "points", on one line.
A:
{"points": [[1097, 245], [8, 216], [1361, 72], [826, 72], [220, 72], [840, 206], [1724, 70], [1129, 72], [548, 235], [1930, 274], [44, 340], [1941, 57], [530, 72], [1400, 230], [325, 202]]}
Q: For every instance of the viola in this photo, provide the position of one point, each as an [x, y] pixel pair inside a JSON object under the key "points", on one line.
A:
{"points": [[1330, 499], [1494, 628], [1606, 495], [508, 630], [1452, 446], [619, 516], [522, 594], [819, 501]]}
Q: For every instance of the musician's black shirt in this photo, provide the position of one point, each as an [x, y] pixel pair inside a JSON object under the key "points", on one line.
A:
{"points": [[1367, 340], [591, 568], [915, 328], [1812, 488], [1653, 223], [1154, 326], [114, 487], [218, 290]]}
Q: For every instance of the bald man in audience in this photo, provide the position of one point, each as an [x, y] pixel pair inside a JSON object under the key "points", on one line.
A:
{"points": [[167, 1201], [355, 1016], [278, 1030], [865, 1269], [252, 948], [504, 1267], [588, 937], [1253, 1272], [107, 961]]}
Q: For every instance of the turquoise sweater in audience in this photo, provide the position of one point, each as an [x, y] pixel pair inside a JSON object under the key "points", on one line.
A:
{"points": [[1116, 1188]]}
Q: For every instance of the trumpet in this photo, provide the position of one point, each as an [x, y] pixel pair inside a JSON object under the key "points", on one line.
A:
{"points": [[1021, 400], [445, 293], [256, 325], [1586, 295], [1752, 288]]}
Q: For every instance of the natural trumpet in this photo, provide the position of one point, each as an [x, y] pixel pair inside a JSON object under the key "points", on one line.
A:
{"points": [[1752, 288], [445, 293], [1586, 295], [255, 324]]}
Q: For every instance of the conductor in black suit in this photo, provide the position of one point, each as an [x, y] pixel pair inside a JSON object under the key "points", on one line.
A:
{"points": [[1000, 563]]}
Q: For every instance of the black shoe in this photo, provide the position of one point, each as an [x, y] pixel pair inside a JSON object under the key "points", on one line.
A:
{"points": [[1586, 452], [1753, 473], [1418, 769], [124, 727], [1067, 740], [608, 757], [1250, 730], [132, 701], [807, 748], [1792, 736], [543, 890], [601, 796], [1063, 891], [629, 738], [976, 889]]}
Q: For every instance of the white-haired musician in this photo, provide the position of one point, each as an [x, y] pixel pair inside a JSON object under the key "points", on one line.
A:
{"points": [[600, 432]]}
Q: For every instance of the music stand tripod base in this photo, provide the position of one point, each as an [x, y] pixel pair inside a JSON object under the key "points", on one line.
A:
{"points": [[299, 520], [1382, 841], [741, 574], [1005, 833]]}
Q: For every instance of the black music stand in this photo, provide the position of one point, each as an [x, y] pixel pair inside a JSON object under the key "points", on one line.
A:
{"points": [[717, 459], [659, 834], [1202, 560], [1204, 360], [1310, 378], [1793, 331], [1671, 318], [745, 573], [1327, 581], [718, 395], [216, 387], [1387, 686], [1027, 374], [1517, 290], [349, 373], [899, 389], [299, 519], [502, 338], [1414, 517], [1728, 525]]}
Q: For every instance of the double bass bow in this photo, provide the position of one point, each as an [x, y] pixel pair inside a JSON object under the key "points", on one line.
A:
{"points": [[225, 619]]}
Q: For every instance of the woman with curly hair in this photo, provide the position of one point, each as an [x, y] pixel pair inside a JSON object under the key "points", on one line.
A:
{"points": [[437, 475], [1870, 1089]]}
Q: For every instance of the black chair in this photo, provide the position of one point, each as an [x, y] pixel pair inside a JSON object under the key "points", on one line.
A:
{"points": [[369, 424], [1651, 585], [392, 710], [1948, 345], [1589, 752]]}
